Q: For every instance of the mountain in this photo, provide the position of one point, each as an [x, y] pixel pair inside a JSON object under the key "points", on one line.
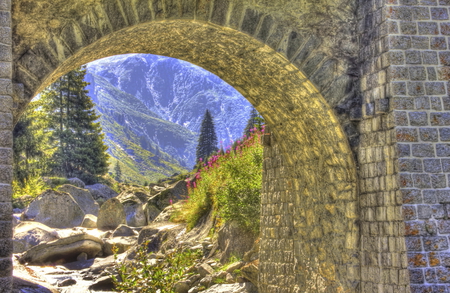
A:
{"points": [[177, 91], [152, 108], [148, 147]]}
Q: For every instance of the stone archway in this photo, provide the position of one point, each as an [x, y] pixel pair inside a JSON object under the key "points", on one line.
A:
{"points": [[331, 77], [320, 202]]}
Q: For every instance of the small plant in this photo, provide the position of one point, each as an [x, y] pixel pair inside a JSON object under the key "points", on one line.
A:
{"points": [[150, 276], [24, 193]]}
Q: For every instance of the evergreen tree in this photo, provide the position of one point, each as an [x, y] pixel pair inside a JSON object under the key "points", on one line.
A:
{"points": [[207, 141], [80, 149], [118, 171], [31, 151], [255, 120]]}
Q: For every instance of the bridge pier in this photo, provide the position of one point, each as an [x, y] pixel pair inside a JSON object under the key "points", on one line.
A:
{"points": [[6, 154]]}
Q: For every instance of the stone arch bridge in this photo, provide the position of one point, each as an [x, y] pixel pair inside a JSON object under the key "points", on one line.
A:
{"points": [[356, 94]]}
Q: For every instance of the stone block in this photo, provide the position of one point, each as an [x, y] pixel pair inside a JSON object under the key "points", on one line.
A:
{"points": [[438, 181], [432, 165], [430, 275], [428, 134], [410, 165], [418, 118], [439, 13], [443, 150], [398, 89], [444, 58], [6, 229], [428, 28], [438, 43], [6, 87], [403, 150], [417, 260], [444, 134], [400, 42], [435, 88], [420, 13], [438, 211], [409, 213], [436, 103], [443, 196], [416, 88], [6, 211], [413, 196], [251, 21], [405, 180], [423, 150], [400, 13], [417, 73], [5, 19], [440, 118], [5, 5], [406, 135], [420, 42], [445, 28], [416, 276], [431, 72], [413, 243], [408, 27], [5, 70], [430, 57], [423, 211], [445, 165], [421, 180], [6, 247], [413, 57], [5, 267], [219, 12], [400, 118]]}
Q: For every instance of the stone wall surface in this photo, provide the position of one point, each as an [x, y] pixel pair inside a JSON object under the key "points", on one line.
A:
{"points": [[356, 193], [6, 123]]}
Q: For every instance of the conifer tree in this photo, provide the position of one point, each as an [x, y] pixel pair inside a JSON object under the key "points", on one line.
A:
{"points": [[207, 141], [80, 149], [255, 120], [118, 171]]}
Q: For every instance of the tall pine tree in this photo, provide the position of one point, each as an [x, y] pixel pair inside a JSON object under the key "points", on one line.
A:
{"points": [[207, 141], [255, 120], [80, 149], [118, 171]]}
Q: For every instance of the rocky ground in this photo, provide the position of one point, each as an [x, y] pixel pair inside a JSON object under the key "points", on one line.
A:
{"points": [[64, 239]]}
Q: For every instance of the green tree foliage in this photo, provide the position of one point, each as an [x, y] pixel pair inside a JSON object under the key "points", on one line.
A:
{"points": [[32, 152], [118, 172], [207, 141], [80, 151], [254, 121]]}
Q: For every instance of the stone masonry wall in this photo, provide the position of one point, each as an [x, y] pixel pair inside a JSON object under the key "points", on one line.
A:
{"points": [[418, 75], [383, 251], [6, 120]]}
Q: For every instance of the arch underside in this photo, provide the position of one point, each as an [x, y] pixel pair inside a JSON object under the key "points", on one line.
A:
{"points": [[314, 210]]}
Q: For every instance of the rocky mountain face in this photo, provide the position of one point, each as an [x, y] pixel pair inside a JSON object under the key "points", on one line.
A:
{"points": [[175, 91]]}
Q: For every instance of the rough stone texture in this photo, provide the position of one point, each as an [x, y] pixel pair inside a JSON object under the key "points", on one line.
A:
{"points": [[55, 209], [111, 215], [101, 192], [368, 76], [29, 234], [134, 211], [83, 198]]}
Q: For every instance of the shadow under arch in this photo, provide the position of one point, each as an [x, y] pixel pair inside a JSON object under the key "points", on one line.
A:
{"points": [[310, 236]]}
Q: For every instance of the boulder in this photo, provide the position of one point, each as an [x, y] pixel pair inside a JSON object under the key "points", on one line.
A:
{"points": [[151, 212], [76, 182], [232, 288], [123, 230], [167, 213], [205, 269], [250, 272], [121, 243], [83, 197], [134, 211], [181, 287], [29, 234], [174, 192], [89, 221], [111, 215], [234, 240], [101, 192], [63, 250], [55, 209]]}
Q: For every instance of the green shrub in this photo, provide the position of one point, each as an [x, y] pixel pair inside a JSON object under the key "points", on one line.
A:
{"points": [[230, 183], [24, 193], [160, 277]]}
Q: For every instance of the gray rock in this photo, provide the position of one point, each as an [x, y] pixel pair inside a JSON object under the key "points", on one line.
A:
{"points": [[76, 182], [83, 197], [250, 272], [82, 256], [89, 221], [122, 244], [29, 234], [205, 269], [206, 281], [151, 212], [235, 266], [101, 192], [233, 240], [134, 211], [111, 215], [63, 250], [232, 288], [123, 230], [181, 287], [55, 209], [67, 282]]}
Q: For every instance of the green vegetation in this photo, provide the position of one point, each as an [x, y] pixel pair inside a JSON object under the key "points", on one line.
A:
{"points": [[207, 140], [230, 183], [159, 276], [74, 133]]}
